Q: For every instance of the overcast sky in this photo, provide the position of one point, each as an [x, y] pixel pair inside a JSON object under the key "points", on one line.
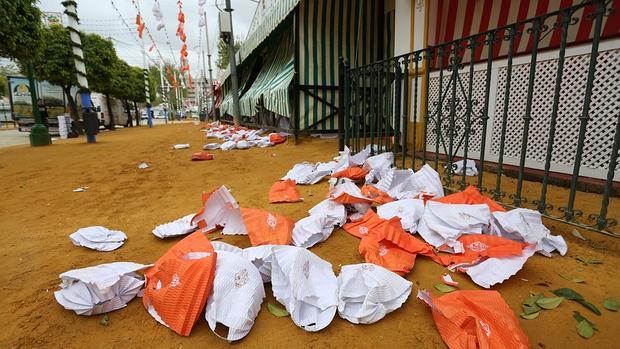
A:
{"points": [[99, 16]]}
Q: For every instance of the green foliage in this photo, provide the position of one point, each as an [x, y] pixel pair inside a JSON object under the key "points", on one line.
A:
{"points": [[53, 58], [19, 29], [100, 59], [224, 54], [136, 81], [4, 86]]}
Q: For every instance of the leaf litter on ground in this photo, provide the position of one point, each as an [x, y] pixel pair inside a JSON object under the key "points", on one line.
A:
{"points": [[573, 295], [444, 288], [569, 278], [276, 310], [585, 327], [610, 304], [588, 260]]}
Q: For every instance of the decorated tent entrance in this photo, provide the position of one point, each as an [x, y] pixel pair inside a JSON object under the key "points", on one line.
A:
{"points": [[288, 70]]}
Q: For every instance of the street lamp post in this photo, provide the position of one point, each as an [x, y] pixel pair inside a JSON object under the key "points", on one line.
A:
{"points": [[89, 116], [38, 132], [230, 38]]}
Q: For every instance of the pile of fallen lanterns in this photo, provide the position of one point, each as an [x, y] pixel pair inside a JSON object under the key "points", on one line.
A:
{"points": [[383, 206]]}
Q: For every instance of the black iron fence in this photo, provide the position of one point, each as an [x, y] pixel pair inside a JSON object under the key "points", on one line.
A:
{"points": [[510, 109]]}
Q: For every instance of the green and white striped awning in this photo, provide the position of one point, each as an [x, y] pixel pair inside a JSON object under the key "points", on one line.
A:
{"points": [[273, 80]]}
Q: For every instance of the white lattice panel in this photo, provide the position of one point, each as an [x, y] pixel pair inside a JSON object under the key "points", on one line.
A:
{"points": [[604, 109]]}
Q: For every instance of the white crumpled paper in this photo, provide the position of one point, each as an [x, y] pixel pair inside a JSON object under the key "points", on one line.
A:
{"points": [[177, 227], [443, 223], [311, 230], [100, 289], [181, 146], [236, 296], [98, 238], [221, 209], [408, 210], [525, 225], [368, 292], [306, 285]]}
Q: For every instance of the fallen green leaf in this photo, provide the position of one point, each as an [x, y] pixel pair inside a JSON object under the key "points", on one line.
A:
{"points": [[531, 300], [549, 303], [568, 294], [276, 310], [105, 321], [577, 315], [444, 288], [610, 304], [590, 306], [531, 316], [589, 260], [584, 329], [566, 277], [531, 309]]}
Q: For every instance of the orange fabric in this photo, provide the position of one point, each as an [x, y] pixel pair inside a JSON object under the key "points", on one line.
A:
{"points": [[478, 246], [201, 156], [477, 319], [201, 223], [388, 245], [284, 191], [275, 138], [376, 195], [185, 283], [353, 173], [362, 227], [266, 228], [471, 196]]}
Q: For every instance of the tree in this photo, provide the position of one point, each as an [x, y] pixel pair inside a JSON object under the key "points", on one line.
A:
{"points": [[224, 54], [100, 59], [4, 88], [53, 61], [20, 28], [121, 86]]}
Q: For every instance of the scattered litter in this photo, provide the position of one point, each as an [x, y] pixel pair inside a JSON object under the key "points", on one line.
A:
{"points": [[180, 146], [306, 173], [335, 213], [99, 289], [475, 319], [311, 230], [220, 209], [610, 304], [183, 276], [234, 137], [578, 235], [202, 156], [177, 227], [261, 257], [284, 191], [211, 146], [105, 321], [408, 210], [276, 310], [470, 168], [444, 223], [448, 280], [98, 238], [237, 295], [306, 286], [143, 165], [368, 292], [355, 174], [525, 280], [522, 224], [423, 184], [267, 228], [471, 196], [79, 189], [346, 192]]}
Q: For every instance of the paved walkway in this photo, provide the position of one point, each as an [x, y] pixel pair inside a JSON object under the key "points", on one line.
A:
{"points": [[13, 137]]}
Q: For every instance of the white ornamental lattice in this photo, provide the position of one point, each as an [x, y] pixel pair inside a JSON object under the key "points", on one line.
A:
{"points": [[603, 110]]}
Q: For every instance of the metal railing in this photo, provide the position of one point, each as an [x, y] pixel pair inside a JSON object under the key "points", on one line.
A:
{"points": [[455, 111]]}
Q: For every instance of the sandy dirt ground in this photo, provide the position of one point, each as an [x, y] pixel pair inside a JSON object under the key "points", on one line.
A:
{"points": [[39, 211]]}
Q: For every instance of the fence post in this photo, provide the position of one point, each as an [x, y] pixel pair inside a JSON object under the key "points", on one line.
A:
{"points": [[341, 107]]}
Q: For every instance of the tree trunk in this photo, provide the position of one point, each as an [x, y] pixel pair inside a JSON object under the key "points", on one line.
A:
{"points": [[72, 106], [135, 106], [112, 125], [128, 110]]}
